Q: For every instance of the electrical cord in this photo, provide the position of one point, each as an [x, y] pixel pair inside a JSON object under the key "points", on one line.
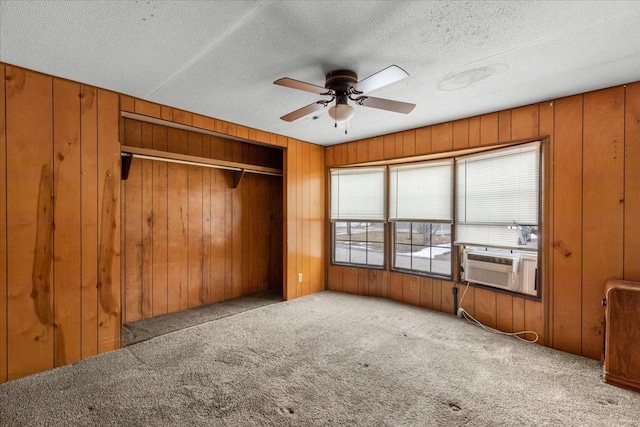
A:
{"points": [[469, 318]]}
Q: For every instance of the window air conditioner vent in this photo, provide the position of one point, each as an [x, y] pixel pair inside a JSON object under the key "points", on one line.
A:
{"points": [[492, 270]]}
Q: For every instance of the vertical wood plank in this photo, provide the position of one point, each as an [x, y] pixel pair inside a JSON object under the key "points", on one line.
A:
{"points": [[518, 314], [352, 152], [239, 284], [177, 216], [546, 126], [603, 207], [533, 319], [504, 126], [525, 122], [218, 235], [291, 230], [159, 237], [423, 140], [504, 310], [395, 286], [442, 137], [29, 142], [147, 225], [362, 150], [567, 225], [488, 128], [132, 303], [460, 134], [317, 218], [363, 282], [389, 146], [329, 156], [409, 143], [89, 214], [67, 302], [398, 144], [3, 232], [474, 131], [376, 150], [194, 222], [350, 280], [305, 211], [108, 222], [437, 294], [426, 292], [206, 219], [147, 108], [447, 296], [127, 103], [632, 184], [486, 307], [410, 289], [335, 276], [228, 224], [263, 233], [183, 117], [467, 298], [133, 244]]}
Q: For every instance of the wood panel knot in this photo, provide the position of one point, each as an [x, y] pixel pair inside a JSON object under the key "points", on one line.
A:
{"points": [[60, 156], [560, 246]]}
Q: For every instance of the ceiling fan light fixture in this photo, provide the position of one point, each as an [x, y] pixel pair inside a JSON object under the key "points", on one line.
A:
{"points": [[341, 112]]}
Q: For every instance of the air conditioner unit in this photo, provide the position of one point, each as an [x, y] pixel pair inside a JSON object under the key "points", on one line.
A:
{"points": [[492, 270]]}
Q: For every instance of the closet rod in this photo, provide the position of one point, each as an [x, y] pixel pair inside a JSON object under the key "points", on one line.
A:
{"points": [[163, 156]]}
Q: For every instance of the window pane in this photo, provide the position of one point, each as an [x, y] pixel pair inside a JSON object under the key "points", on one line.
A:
{"points": [[403, 256], [427, 249], [420, 233], [359, 243]]}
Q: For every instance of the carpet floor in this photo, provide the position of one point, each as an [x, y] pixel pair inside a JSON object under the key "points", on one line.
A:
{"points": [[329, 359]]}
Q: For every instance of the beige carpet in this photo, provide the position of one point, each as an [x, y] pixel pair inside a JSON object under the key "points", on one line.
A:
{"points": [[325, 360]]}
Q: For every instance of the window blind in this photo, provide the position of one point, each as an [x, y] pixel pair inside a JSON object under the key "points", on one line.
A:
{"points": [[358, 194], [421, 191], [496, 193]]}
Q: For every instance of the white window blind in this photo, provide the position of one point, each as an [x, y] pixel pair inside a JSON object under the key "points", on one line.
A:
{"points": [[358, 194], [421, 191], [497, 193]]}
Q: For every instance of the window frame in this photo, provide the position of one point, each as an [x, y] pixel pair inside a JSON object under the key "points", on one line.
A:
{"points": [[367, 241], [431, 273]]}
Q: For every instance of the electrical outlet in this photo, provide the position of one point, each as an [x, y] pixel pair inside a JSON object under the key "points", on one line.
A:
{"points": [[299, 277], [412, 286]]}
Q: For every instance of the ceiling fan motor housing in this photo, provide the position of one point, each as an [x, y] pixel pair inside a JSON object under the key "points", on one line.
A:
{"points": [[341, 81]]}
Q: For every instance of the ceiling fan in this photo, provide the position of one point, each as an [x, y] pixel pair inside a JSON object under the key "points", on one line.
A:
{"points": [[343, 85]]}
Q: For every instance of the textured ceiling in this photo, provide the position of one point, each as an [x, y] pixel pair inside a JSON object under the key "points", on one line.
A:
{"points": [[220, 58]]}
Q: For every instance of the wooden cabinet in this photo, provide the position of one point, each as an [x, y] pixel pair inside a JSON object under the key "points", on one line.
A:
{"points": [[622, 334]]}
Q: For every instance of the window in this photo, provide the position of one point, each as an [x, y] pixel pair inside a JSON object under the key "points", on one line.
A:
{"points": [[498, 197], [421, 209], [359, 243], [358, 215], [423, 247]]}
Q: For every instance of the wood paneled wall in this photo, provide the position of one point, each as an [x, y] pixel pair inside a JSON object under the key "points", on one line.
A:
{"points": [[305, 219], [590, 226], [60, 207], [189, 238], [59, 222]]}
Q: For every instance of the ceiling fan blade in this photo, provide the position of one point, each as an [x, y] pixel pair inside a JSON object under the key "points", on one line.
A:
{"points": [[385, 104], [297, 84], [301, 112], [382, 78]]}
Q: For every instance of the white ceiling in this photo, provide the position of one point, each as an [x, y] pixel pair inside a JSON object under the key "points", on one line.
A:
{"points": [[220, 58]]}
